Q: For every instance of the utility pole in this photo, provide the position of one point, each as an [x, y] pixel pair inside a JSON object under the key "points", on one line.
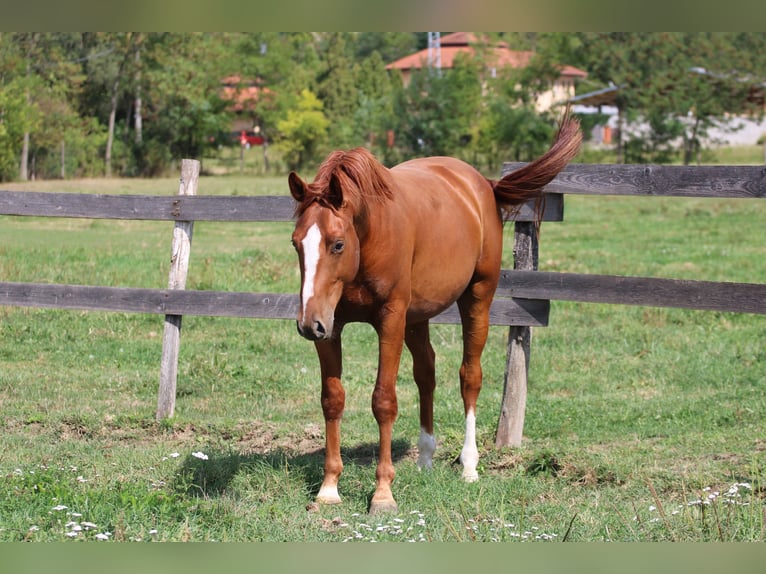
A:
{"points": [[435, 51]]}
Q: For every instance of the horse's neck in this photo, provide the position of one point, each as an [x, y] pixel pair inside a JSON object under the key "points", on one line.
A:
{"points": [[382, 220]]}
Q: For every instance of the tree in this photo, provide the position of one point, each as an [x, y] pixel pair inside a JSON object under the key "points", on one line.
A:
{"points": [[374, 116], [438, 111], [513, 133], [511, 128], [658, 85], [184, 114], [336, 88], [284, 64], [389, 46], [111, 74], [17, 118], [303, 131], [47, 69]]}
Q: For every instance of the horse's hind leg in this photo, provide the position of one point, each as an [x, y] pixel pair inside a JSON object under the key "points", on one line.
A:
{"points": [[474, 312], [423, 369]]}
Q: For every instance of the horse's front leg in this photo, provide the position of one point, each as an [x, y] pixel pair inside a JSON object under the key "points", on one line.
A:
{"points": [[384, 403], [333, 403]]}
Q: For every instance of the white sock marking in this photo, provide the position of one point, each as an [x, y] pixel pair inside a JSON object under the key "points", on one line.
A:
{"points": [[328, 495], [426, 448], [311, 244], [470, 454]]}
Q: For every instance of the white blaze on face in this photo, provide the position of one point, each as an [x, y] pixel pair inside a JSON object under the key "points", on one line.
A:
{"points": [[310, 244], [469, 456]]}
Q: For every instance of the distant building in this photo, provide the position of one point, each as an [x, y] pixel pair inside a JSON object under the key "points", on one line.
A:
{"points": [[243, 97], [497, 56]]}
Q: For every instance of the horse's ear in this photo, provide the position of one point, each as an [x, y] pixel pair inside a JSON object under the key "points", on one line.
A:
{"points": [[335, 192], [297, 187]]}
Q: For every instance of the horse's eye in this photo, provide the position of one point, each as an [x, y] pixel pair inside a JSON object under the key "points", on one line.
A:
{"points": [[338, 246]]}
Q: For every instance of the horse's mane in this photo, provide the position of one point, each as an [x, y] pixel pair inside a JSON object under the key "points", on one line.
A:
{"points": [[357, 174]]}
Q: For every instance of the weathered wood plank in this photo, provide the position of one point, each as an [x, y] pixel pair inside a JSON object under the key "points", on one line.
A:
{"points": [[661, 180], [147, 207], [152, 301], [504, 311], [524, 286], [180, 251], [510, 424], [188, 208], [650, 291]]}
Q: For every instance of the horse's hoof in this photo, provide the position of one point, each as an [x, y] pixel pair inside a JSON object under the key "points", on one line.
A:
{"points": [[383, 507], [328, 500], [470, 476], [328, 495], [425, 463]]}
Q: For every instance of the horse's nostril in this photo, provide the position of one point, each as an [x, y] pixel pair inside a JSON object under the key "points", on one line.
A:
{"points": [[319, 328]]}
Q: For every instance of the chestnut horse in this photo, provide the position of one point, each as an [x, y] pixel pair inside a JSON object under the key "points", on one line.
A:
{"points": [[393, 248]]}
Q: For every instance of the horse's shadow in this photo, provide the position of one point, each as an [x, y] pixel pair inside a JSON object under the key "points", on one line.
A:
{"points": [[212, 477]]}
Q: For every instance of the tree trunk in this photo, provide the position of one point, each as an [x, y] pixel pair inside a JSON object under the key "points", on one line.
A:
{"points": [[24, 163], [137, 103], [690, 144], [110, 136]]}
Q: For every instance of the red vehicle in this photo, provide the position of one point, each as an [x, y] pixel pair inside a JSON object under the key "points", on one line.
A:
{"points": [[249, 138]]}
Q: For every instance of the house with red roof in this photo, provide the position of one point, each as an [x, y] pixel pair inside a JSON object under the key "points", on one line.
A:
{"points": [[243, 97], [496, 56]]}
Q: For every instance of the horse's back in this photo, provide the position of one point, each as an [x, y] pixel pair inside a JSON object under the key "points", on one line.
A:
{"points": [[452, 186]]}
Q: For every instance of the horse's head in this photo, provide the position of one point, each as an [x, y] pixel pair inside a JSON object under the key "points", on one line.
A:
{"points": [[333, 216], [328, 252]]}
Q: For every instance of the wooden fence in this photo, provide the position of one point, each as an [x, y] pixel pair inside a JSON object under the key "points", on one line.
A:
{"points": [[522, 300]]}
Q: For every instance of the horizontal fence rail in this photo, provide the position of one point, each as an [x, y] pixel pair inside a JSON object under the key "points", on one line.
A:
{"points": [[647, 291], [186, 208], [504, 311], [662, 180]]}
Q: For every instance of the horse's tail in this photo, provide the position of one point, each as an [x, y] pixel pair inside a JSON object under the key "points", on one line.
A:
{"points": [[527, 182]]}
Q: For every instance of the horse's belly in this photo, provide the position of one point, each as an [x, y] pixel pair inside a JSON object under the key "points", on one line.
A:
{"points": [[458, 233], [450, 258], [425, 310], [438, 283]]}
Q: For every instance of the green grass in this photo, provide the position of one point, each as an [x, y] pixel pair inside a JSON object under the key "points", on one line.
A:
{"points": [[744, 154], [636, 416]]}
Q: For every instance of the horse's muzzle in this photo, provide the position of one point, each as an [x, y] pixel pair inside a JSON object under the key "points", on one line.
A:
{"points": [[314, 331]]}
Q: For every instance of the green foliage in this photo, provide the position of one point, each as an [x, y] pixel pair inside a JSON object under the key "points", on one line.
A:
{"points": [[17, 117], [389, 46], [660, 80], [303, 131], [513, 133], [182, 100], [437, 110], [87, 91]]}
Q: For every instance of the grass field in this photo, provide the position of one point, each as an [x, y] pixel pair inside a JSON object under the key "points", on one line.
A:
{"points": [[642, 424]]}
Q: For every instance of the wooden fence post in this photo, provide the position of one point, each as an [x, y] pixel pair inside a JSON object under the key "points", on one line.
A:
{"points": [[510, 426], [179, 267]]}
